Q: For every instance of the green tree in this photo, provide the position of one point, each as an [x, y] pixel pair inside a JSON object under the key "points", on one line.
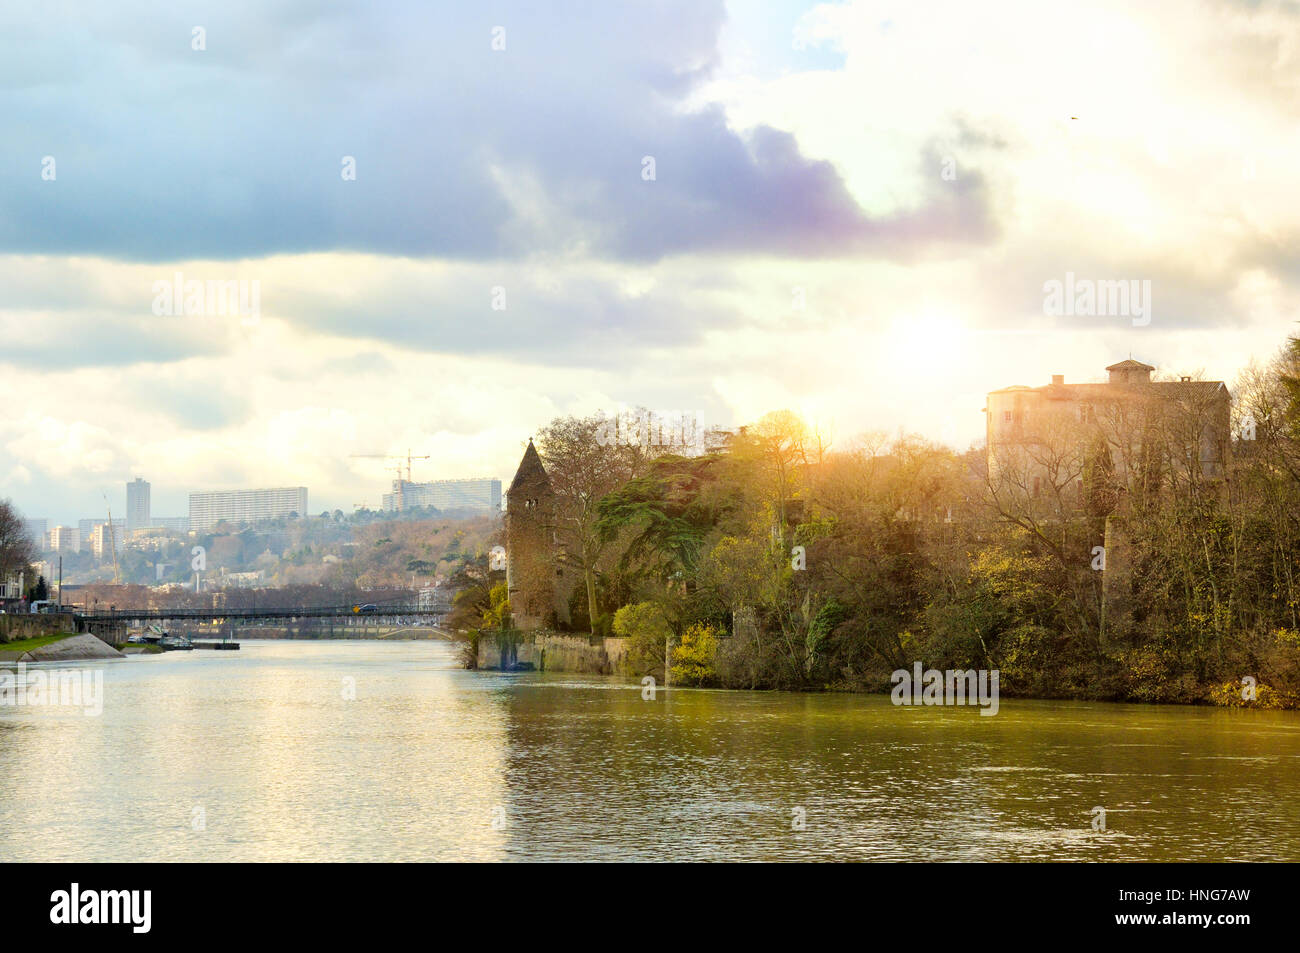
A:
{"points": [[648, 635]]}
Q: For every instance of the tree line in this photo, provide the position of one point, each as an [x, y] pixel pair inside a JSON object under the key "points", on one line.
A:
{"points": [[1110, 554]]}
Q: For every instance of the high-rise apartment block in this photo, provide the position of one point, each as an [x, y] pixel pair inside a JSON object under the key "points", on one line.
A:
{"points": [[64, 539], [137, 504], [99, 540], [38, 531], [245, 506], [481, 495]]}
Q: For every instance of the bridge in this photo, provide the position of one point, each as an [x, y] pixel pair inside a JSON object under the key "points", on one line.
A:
{"points": [[231, 615], [105, 622]]}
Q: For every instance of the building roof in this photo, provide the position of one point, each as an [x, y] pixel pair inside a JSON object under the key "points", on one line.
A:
{"points": [[530, 469], [1097, 389], [1100, 391]]}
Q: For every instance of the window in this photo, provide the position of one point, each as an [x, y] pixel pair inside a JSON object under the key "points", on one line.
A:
{"points": [[1006, 416]]}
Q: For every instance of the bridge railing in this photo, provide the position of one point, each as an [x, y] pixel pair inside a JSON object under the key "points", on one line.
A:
{"points": [[293, 612]]}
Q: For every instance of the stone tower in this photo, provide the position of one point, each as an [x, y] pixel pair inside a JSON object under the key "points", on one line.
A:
{"points": [[534, 575]]}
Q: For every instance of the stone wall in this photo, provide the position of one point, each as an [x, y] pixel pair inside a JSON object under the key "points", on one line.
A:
{"points": [[546, 651], [616, 652], [27, 626]]}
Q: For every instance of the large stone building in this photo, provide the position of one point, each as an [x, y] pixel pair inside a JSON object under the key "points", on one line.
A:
{"points": [[1065, 450], [1129, 428], [536, 578]]}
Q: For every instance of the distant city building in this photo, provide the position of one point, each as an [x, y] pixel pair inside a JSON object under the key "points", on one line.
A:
{"points": [[38, 530], [241, 580], [64, 539], [137, 504], [478, 495], [177, 524], [147, 538], [84, 530], [99, 538], [245, 506]]}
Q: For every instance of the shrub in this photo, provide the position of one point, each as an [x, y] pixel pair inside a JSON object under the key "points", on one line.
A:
{"points": [[693, 659], [647, 632]]}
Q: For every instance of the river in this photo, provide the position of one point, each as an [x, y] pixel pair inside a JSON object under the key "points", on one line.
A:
{"points": [[377, 751]]}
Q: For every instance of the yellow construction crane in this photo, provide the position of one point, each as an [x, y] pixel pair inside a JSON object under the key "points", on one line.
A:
{"points": [[399, 485]]}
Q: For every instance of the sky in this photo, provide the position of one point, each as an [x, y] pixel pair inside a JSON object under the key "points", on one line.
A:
{"points": [[463, 220]]}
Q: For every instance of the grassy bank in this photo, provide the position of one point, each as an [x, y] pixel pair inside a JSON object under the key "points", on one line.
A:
{"points": [[26, 645], [138, 648], [16, 648]]}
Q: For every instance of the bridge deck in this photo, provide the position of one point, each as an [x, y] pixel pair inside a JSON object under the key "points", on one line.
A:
{"points": [[299, 612]]}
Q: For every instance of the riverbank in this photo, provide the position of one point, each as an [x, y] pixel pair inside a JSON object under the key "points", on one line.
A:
{"points": [[64, 647], [136, 648], [543, 650]]}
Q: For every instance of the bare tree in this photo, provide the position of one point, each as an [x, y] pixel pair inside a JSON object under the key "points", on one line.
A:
{"points": [[16, 549], [584, 464]]}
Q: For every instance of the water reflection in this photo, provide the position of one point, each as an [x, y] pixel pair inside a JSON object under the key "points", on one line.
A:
{"points": [[268, 755]]}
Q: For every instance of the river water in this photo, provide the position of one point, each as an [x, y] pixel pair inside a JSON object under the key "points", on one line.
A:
{"points": [[374, 751]]}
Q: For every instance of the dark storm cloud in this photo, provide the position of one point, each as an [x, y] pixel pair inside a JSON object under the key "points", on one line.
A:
{"points": [[165, 153]]}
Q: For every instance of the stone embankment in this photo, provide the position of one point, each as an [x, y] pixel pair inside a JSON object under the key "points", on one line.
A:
{"points": [[75, 648], [546, 651]]}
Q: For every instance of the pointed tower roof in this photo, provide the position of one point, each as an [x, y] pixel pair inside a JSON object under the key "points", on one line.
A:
{"points": [[1130, 365], [530, 470]]}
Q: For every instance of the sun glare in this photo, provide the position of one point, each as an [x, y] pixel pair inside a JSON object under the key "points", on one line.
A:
{"points": [[930, 339]]}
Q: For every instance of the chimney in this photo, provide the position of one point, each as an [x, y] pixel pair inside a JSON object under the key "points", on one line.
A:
{"points": [[1058, 380]]}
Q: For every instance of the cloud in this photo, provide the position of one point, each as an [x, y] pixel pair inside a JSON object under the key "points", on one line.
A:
{"points": [[800, 243], [166, 153]]}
